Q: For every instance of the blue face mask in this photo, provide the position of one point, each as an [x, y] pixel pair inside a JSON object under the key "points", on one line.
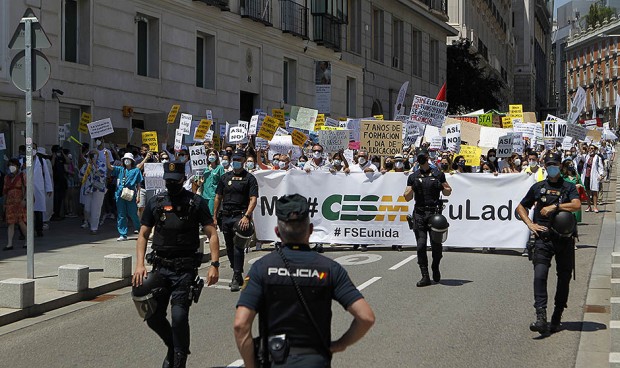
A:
{"points": [[236, 165], [553, 171], [225, 163]]}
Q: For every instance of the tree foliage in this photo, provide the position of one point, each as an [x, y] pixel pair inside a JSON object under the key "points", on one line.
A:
{"points": [[471, 83], [598, 13]]}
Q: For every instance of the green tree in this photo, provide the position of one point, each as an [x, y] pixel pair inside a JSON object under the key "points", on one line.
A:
{"points": [[598, 13], [471, 83]]}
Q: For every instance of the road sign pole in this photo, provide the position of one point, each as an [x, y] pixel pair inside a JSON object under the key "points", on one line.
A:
{"points": [[29, 163]]}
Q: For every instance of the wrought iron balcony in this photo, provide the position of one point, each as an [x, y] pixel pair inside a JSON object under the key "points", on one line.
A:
{"points": [[222, 4], [327, 31], [294, 18], [258, 10]]}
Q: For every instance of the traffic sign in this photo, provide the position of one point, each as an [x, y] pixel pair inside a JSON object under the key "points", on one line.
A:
{"points": [[39, 38], [41, 70]]}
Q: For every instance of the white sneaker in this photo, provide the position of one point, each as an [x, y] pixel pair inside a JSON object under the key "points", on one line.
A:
{"points": [[85, 225], [136, 232], [122, 238], [46, 226]]}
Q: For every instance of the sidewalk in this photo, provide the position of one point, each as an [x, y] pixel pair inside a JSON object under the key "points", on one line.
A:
{"points": [[66, 243]]}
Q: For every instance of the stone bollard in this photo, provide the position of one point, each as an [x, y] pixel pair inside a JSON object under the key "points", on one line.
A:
{"points": [[614, 327], [615, 257], [73, 277], [615, 270], [117, 266], [16, 293]]}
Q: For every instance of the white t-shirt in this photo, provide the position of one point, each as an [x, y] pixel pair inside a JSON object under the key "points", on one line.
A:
{"points": [[361, 168]]}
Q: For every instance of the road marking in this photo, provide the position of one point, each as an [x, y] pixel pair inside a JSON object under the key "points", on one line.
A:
{"points": [[251, 261], [236, 363], [368, 283], [402, 263], [357, 259], [216, 286]]}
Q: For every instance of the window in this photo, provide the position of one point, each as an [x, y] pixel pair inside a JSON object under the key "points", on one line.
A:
{"points": [[148, 46], [76, 31], [433, 61], [416, 52], [398, 45], [351, 96], [354, 29], [289, 81], [377, 35], [205, 61]]}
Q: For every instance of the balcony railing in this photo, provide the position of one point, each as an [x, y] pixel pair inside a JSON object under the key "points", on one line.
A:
{"points": [[258, 10], [437, 5], [327, 31], [222, 4], [294, 18]]}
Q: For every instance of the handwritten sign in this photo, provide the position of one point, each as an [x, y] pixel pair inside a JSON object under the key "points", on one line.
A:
{"points": [[305, 119], [486, 120], [150, 138], [334, 140], [154, 176], [471, 155], [198, 157], [178, 139], [381, 137], [237, 134], [268, 128], [185, 124], [299, 138], [278, 114], [428, 111], [576, 131], [320, 121], [253, 125], [203, 128], [516, 111], [172, 115], [504, 146], [436, 143], [453, 137], [85, 119], [100, 128], [506, 122]]}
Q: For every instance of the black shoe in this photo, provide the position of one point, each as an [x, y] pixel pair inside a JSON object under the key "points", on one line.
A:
{"points": [[234, 285], [55, 218], [364, 248], [168, 360], [319, 248], [356, 247], [7, 248], [436, 273], [540, 325], [180, 360], [556, 320], [239, 278], [425, 280]]}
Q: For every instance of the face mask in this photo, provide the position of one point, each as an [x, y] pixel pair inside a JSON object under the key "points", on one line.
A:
{"points": [[444, 166], [98, 142], [573, 155], [12, 169], [58, 154], [127, 162], [361, 160], [398, 164], [423, 160], [517, 162], [183, 159], [492, 158], [276, 163], [301, 164], [164, 160], [249, 165], [281, 164], [553, 171], [460, 164], [212, 158], [225, 163], [337, 162], [316, 155], [236, 165], [486, 171], [411, 160], [173, 187], [533, 163]]}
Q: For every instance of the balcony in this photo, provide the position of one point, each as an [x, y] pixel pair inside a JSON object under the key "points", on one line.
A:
{"points": [[257, 10], [222, 4], [327, 31], [294, 18]]}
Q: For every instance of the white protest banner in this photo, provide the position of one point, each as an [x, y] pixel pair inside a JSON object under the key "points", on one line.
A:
{"points": [[504, 146], [333, 140], [252, 127], [453, 137], [487, 214], [2, 142], [238, 134], [567, 143], [430, 132], [185, 123], [178, 139], [198, 157], [399, 108], [154, 176], [428, 111], [436, 143], [100, 128], [577, 104]]}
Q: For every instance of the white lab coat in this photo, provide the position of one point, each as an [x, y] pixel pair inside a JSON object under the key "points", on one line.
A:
{"points": [[42, 183], [598, 170]]}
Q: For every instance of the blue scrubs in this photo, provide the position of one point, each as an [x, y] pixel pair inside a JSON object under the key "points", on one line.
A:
{"points": [[126, 179]]}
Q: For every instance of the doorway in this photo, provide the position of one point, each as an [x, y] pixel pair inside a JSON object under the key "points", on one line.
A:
{"points": [[247, 103]]}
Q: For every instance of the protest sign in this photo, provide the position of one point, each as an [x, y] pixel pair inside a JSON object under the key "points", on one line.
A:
{"points": [[529, 117], [490, 135], [486, 120], [453, 137], [305, 119], [567, 143], [62, 134], [203, 128], [436, 143], [172, 115], [353, 125], [554, 118], [594, 134], [471, 155], [320, 121], [85, 119], [399, 108], [253, 124], [281, 131], [3, 141], [178, 139], [209, 114], [428, 111], [334, 140], [150, 138], [100, 128], [278, 114], [517, 142], [299, 138], [331, 122], [268, 128], [281, 144], [237, 134], [325, 127], [217, 142], [412, 130], [198, 157], [185, 123], [470, 133], [516, 111], [381, 137], [576, 131], [506, 122], [209, 136], [154, 176], [504, 146], [553, 129], [590, 123]]}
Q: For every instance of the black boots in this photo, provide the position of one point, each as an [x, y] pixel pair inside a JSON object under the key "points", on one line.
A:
{"points": [[541, 326], [556, 320], [436, 273], [169, 360], [425, 280], [180, 360], [237, 282]]}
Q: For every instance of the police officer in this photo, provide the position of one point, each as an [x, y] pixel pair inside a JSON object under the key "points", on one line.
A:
{"points": [[297, 336], [176, 215], [237, 193], [425, 186], [553, 198]]}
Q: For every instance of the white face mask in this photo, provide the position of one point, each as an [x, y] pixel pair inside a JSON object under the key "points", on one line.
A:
{"points": [[281, 164], [316, 155], [398, 164], [361, 160], [337, 162], [517, 162], [533, 163], [12, 169], [164, 160], [411, 160], [127, 162], [486, 171]]}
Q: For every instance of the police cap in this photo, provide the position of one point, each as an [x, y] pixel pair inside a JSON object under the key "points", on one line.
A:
{"points": [[422, 153], [238, 154], [553, 158], [174, 170], [292, 208]]}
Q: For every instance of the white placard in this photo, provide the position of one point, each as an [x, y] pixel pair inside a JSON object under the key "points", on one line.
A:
{"points": [[238, 134], [567, 143], [209, 136], [209, 114], [185, 124], [436, 143], [178, 139], [253, 125], [2, 142], [198, 157], [453, 137], [154, 176], [100, 128], [428, 111], [504, 146], [333, 140], [489, 136], [554, 129]]}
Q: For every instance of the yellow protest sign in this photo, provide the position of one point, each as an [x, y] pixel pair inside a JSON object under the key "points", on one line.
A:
{"points": [[298, 138], [269, 127], [150, 138], [516, 111], [278, 114], [378, 117], [506, 122], [471, 155], [486, 119], [172, 115], [320, 121], [217, 144], [203, 128], [325, 127], [85, 119]]}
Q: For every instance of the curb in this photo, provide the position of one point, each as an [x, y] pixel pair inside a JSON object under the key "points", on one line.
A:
{"points": [[614, 323]]}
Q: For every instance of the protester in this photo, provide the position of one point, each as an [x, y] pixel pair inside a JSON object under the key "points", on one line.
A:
{"points": [[534, 168], [459, 165], [513, 164], [93, 190], [284, 162], [70, 203], [128, 182], [250, 164], [593, 173], [339, 163], [14, 193], [210, 178], [59, 160], [363, 164], [569, 174], [317, 162], [42, 186], [399, 165], [225, 162]]}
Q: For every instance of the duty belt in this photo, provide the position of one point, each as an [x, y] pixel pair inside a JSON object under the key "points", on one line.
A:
{"points": [[177, 264], [426, 208], [303, 351], [230, 213]]}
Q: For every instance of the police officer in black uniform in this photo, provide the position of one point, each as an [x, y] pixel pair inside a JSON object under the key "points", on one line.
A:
{"points": [[554, 228], [237, 193], [292, 336], [425, 186], [176, 215]]}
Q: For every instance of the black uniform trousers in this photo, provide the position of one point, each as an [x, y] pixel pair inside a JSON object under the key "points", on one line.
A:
{"points": [[421, 230], [175, 335], [305, 361], [564, 251], [236, 255]]}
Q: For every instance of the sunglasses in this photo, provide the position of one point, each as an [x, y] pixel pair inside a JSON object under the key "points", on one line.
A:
{"points": [[182, 154]]}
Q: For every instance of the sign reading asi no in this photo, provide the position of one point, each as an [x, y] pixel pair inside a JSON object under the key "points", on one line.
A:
{"points": [[381, 137]]}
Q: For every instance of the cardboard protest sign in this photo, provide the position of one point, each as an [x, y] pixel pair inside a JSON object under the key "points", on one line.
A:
{"points": [[154, 176], [453, 137], [553, 129], [504, 146], [299, 138], [237, 134], [150, 138], [172, 115], [576, 131], [470, 133], [198, 157], [100, 128], [428, 111], [471, 155], [305, 119], [185, 123], [594, 135], [381, 137], [203, 128], [516, 111], [486, 120], [529, 117], [85, 119], [278, 114], [506, 122], [268, 128], [334, 140], [178, 139]]}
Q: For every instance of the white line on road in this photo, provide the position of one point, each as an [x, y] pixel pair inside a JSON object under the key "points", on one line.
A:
{"points": [[368, 283], [236, 363], [216, 286], [402, 263]]}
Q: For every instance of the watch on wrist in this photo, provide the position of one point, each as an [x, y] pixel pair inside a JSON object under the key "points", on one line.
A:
{"points": [[215, 264], [246, 216]]}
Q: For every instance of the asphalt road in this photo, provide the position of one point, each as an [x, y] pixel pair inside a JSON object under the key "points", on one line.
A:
{"points": [[478, 316]]}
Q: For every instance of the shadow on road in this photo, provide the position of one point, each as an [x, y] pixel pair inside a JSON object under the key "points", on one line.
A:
{"points": [[584, 326], [454, 282]]}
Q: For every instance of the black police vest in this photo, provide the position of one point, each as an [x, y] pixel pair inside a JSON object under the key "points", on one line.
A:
{"points": [[283, 310], [236, 192], [177, 226], [546, 195], [426, 188]]}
